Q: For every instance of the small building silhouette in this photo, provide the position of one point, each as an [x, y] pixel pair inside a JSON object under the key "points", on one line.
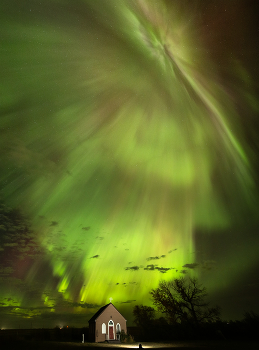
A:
{"points": [[107, 324]]}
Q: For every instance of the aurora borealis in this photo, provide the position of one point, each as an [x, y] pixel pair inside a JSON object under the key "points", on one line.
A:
{"points": [[128, 138]]}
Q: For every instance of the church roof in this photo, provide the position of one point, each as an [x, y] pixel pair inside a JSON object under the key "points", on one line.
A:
{"points": [[100, 311]]}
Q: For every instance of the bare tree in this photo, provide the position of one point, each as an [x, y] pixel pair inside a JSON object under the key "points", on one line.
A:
{"points": [[183, 300], [143, 315]]}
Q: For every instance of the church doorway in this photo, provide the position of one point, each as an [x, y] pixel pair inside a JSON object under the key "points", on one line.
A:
{"points": [[111, 330]]}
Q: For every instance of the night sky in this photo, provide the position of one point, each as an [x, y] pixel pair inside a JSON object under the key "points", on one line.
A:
{"points": [[128, 155]]}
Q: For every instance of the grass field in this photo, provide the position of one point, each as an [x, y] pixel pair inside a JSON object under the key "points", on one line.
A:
{"points": [[209, 345]]}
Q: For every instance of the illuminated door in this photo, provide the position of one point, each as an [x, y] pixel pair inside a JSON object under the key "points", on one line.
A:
{"points": [[111, 333]]}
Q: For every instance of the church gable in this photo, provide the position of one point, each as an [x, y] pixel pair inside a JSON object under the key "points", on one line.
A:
{"points": [[107, 324]]}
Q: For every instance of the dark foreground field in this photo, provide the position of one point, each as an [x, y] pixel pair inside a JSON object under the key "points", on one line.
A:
{"points": [[203, 345]]}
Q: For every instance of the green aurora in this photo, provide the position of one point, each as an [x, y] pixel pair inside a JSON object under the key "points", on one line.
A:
{"points": [[128, 138]]}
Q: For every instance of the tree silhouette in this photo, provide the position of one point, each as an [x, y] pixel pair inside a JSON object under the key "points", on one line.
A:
{"points": [[143, 315], [183, 300]]}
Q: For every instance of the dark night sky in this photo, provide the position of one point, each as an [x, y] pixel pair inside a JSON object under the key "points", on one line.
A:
{"points": [[129, 142]]}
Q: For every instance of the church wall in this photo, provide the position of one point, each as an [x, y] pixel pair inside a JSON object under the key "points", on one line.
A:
{"points": [[110, 313]]}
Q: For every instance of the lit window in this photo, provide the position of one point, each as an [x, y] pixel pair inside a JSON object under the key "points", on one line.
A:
{"points": [[103, 328], [118, 328]]}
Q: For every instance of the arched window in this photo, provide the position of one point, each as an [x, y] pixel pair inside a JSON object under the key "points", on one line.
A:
{"points": [[103, 328], [118, 328]]}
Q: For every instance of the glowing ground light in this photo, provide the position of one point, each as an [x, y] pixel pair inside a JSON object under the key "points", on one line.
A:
{"points": [[147, 345]]}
